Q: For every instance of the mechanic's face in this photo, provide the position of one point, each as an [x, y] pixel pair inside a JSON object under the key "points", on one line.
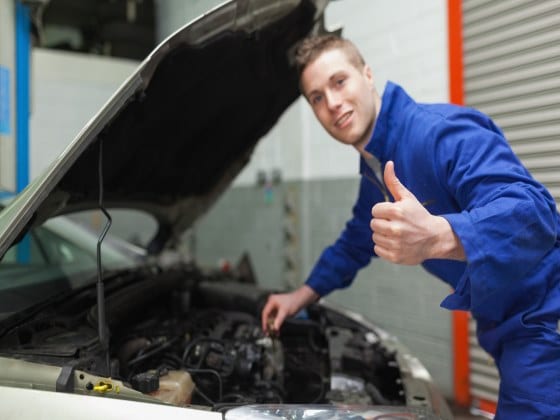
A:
{"points": [[342, 97]]}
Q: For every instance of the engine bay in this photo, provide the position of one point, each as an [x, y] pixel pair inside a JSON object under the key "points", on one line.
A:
{"points": [[188, 337]]}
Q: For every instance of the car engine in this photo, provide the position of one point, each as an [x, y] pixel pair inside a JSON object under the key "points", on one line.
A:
{"points": [[190, 337]]}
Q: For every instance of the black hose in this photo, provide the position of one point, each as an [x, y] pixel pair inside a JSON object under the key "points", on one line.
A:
{"points": [[213, 372], [204, 396]]}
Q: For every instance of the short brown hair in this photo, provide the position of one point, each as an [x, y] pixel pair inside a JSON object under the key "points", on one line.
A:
{"points": [[310, 48]]}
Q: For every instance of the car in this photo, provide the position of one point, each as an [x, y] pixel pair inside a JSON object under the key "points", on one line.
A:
{"points": [[143, 334]]}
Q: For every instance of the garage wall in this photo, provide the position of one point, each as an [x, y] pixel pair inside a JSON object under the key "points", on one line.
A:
{"points": [[173, 14], [67, 90]]}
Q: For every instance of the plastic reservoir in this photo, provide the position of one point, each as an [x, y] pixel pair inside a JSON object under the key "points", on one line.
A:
{"points": [[175, 388]]}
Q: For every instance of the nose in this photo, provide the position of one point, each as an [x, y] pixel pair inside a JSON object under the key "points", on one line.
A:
{"points": [[333, 100]]}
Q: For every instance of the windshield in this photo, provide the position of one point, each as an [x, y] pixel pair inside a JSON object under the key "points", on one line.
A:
{"points": [[56, 257]]}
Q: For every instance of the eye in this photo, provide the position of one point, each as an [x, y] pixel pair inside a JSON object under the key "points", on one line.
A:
{"points": [[340, 81], [316, 99]]}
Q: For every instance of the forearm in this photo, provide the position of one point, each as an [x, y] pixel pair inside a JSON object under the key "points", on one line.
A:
{"points": [[446, 243], [338, 264], [304, 296], [510, 234]]}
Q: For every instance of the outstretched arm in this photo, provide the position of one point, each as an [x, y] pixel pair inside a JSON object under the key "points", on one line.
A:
{"points": [[337, 265]]}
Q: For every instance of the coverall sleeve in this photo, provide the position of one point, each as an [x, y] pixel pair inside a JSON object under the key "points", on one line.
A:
{"points": [[508, 223], [338, 264]]}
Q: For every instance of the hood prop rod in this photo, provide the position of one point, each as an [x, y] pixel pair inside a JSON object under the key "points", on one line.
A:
{"points": [[102, 328]]}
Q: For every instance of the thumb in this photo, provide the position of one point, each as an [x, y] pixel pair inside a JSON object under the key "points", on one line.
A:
{"points": [[397, 190]]}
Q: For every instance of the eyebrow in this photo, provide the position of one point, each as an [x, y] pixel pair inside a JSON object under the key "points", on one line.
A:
{"points": [[333, 76]]}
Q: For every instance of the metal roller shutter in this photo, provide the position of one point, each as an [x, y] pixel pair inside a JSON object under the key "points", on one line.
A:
{"points": [[484, 378], [512, 73]]}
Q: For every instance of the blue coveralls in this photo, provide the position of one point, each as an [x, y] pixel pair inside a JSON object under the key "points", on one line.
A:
{"points": [[458, 163]]}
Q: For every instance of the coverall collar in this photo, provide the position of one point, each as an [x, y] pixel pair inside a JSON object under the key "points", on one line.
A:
{"points": [[380, 144]]}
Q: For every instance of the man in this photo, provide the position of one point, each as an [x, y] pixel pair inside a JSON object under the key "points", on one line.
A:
{"points": [[462, 205]]}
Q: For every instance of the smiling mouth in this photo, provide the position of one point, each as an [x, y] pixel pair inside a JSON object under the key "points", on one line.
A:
{"points": [[343, 120]]}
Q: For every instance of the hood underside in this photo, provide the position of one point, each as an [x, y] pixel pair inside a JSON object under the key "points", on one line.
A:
{"points": [[185, 123]]}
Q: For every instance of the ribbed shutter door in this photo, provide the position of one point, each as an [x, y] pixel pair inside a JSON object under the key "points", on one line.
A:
{"points": [[512, 73], [484, 377]]}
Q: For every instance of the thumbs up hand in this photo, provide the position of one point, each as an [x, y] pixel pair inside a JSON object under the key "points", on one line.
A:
{"points": [[404, 232]]}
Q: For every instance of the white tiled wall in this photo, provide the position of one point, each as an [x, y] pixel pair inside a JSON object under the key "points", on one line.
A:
{"points": [[173, 14], [67, 89]]}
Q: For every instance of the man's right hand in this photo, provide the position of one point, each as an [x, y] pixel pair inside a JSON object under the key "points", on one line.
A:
{"points": [[280, 306]]}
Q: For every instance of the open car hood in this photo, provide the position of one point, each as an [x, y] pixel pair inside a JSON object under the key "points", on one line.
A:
{"points": [[183, 125]]}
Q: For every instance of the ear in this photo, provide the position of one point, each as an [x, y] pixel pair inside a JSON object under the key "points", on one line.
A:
{"points": [[368, 74], [304, 83]]}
